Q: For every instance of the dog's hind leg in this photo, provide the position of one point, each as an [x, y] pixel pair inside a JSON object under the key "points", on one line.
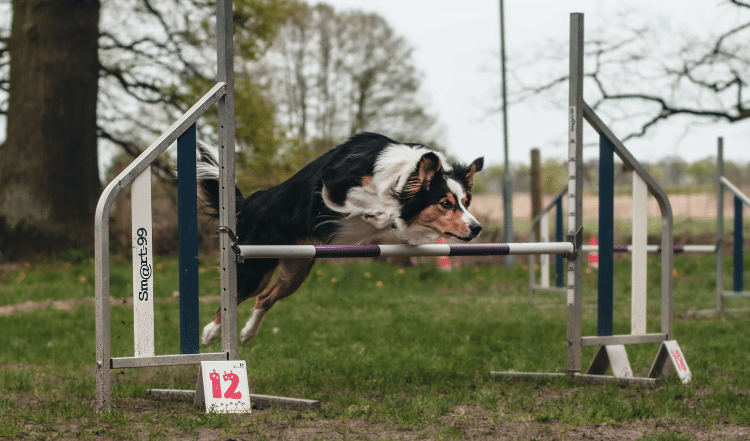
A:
{"points": [[257, 275], [292, 273]]}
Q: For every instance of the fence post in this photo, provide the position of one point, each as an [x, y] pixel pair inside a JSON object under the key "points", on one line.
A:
{"points": [[536, 189], [559, 238], [720, 226], [738, 255]]}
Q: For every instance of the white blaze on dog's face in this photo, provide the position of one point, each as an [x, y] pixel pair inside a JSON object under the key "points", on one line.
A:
{"points": [[434, 202]]}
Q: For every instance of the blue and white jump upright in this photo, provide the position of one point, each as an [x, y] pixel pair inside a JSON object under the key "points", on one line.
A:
{"points": [[740, 200]]}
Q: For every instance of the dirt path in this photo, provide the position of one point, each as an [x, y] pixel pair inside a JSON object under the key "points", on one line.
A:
{"points": [[65, 305]]}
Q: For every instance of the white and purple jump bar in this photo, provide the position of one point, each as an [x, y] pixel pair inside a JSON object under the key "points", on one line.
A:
{"points": [[430, 250]]}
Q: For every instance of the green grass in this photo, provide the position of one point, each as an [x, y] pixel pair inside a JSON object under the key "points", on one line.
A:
{"points": [[393, 349]]}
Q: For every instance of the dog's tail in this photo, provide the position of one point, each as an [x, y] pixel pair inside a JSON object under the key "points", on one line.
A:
{"points": [[208, 181]]}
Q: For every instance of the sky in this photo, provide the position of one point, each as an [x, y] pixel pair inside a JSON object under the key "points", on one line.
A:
{"points": [[457, 50]]}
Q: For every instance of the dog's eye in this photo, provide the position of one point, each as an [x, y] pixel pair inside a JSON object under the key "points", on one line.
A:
{"points": [[446, 205]]}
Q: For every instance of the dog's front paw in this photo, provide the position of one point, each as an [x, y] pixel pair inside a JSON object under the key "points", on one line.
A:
{"points": [[247, 334], [251, 327], [210, 333]]}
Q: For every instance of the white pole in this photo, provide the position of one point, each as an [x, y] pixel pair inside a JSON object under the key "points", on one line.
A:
{"points": [[639, 256], [429, 250], [143, 265]]}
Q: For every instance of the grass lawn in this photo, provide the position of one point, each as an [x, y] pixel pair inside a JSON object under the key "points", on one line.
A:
{"points": [[393, 353]]}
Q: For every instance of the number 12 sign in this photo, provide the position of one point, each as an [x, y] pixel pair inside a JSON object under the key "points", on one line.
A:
{"points": [[222, 387]]}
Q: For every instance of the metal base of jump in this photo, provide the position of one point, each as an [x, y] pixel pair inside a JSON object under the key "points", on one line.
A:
{"points": [[255, 399], [616, 358], [583, 378]]}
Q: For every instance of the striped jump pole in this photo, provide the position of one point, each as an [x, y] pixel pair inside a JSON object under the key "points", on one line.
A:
{"points": [[430, 250]]}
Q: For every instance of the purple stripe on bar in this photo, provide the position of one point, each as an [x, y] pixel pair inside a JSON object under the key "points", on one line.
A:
{"points": [[479, 250], [677, 249], [347, 251], [620, 249]]}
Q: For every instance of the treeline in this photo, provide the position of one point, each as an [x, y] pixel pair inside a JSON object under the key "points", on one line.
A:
{"points": [[673, 173], [306, 78]]}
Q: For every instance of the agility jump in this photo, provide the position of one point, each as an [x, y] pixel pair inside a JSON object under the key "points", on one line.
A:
{"points": [[222, 95], [722, 186], [138, 174], [611, 347], [740, 199], [183, 131]]}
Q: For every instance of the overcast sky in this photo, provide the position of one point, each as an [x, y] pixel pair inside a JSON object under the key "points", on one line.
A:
{"points": [[457, 50]]}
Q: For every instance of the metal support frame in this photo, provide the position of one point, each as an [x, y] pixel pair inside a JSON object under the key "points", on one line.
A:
{"points": [[575, 195], [223, 95], [740, 199], [612, 351]]}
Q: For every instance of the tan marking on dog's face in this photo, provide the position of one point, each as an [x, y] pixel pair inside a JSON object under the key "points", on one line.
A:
{"points": [[445, 218], [366, 180]]}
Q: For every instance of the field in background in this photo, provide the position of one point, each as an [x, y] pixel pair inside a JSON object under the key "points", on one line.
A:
{"points": [[694, 217], [393, 352], [698, 205]]}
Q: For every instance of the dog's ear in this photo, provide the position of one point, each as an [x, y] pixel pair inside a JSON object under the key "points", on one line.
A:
{"points": [[477, 165], [471, 170], [427, 167]]}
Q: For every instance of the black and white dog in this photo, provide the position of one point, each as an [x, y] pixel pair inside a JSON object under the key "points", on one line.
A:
{"points": [[368, 188]]}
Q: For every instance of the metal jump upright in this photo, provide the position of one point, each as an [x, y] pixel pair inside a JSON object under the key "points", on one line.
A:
{"points": [[182, 131], [611, 350], [740, 199]]}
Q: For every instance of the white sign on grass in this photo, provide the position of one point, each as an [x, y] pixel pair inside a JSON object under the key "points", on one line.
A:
{"points": [[222, 387]]}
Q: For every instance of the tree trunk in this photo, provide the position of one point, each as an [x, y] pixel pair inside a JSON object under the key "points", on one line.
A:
{"points": [[49, 178]]}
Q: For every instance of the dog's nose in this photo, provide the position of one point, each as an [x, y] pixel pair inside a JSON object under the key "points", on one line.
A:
{"points": [[475, 229]]}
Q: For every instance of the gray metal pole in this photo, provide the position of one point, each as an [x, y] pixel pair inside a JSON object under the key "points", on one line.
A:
{"points": [[227, 213], [720, 226], [575, 192], [507, 181]]}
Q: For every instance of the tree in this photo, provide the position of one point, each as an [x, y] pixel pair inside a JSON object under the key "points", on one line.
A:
{"points": [[333, 74], [641, 76], [158, 58], [49, 180], [152, 60]]}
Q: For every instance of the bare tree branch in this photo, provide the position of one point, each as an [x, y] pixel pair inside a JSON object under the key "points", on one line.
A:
{"points": [[708, 80]]}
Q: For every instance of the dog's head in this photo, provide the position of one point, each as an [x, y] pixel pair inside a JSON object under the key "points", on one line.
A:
{"points": [[437, 198]]}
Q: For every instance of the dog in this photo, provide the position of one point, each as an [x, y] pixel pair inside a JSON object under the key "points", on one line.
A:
{"points": [[368, 188]]}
